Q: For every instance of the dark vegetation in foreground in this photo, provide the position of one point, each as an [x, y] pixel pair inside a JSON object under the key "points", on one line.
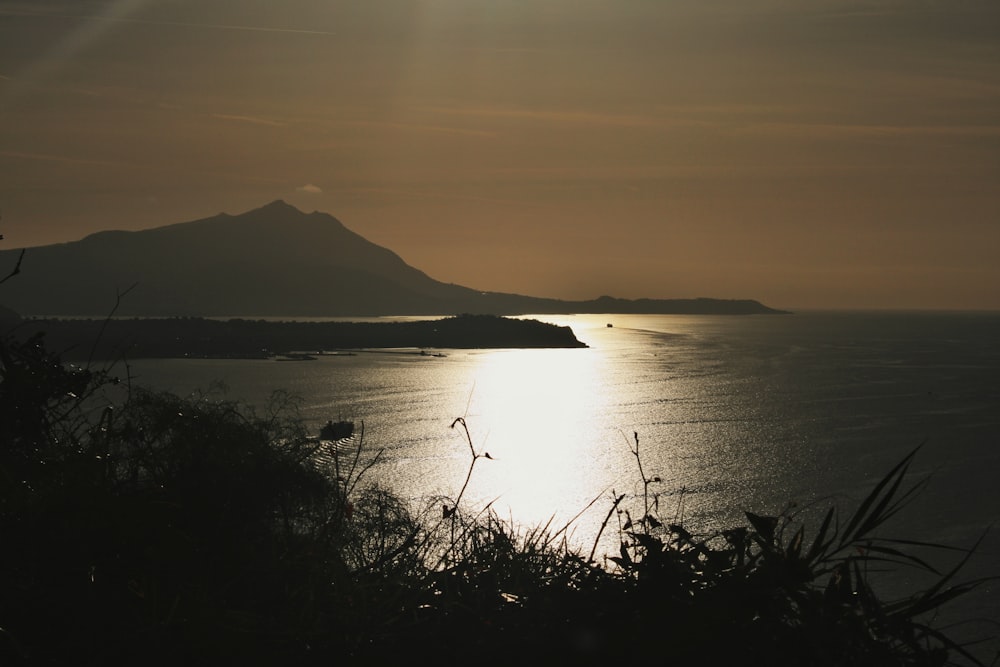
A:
{"points": [[253, 339], [157, 530]]}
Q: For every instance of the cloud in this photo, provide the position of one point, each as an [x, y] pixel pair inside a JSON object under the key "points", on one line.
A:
{"points": [[118, 12], [839, 130], [553, 116], [63, 158], [249, 119], [415, 127], [309, 188]]}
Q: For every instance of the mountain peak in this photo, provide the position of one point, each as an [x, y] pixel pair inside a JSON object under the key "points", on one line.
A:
{"points": [[278, 205]]}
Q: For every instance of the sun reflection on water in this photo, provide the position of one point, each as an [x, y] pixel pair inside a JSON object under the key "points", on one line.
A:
{"points": [[535, 412]]}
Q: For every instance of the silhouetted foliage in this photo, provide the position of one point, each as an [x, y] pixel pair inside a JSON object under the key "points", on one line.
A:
{"points": [[167, 530]]}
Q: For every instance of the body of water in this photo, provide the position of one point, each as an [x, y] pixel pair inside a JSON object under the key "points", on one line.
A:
{"points": [[731, 413]]}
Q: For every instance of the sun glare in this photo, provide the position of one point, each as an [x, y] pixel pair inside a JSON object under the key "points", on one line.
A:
{"points": [[534, 412]]}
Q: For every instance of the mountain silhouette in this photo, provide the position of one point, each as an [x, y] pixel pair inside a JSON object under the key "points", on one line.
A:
{"points": [[272, 261]]}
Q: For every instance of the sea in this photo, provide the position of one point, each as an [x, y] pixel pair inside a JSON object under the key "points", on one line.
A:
{"points": [[720, 415]]}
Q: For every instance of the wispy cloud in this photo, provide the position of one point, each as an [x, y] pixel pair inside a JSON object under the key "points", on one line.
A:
{"points": [[256, 120], [309, 188], [552, 115], [47, 157], [177, 24], [221, 26], [417, 127], [870, 130], [427, 194], [148, 167]]}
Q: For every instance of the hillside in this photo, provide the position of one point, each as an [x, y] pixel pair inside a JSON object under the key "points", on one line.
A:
{"points": [[271, 261]]}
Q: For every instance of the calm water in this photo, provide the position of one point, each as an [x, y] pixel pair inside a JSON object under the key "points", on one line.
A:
{"points": [[732, 413]]}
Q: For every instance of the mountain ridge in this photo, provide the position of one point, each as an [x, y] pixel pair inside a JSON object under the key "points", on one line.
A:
{"points": [[275, 260]]}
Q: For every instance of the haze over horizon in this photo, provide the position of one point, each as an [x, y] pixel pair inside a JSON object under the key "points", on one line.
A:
{"points": [[835, 155]]}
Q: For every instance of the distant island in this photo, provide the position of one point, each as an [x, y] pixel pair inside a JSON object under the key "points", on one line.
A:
{"points": [[193, 337], [274, 261]]}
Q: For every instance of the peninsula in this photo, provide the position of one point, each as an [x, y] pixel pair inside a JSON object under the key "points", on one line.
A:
{"points": [[193, 337]]}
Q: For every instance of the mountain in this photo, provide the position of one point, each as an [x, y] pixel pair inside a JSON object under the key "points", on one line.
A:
{"points": [[271, 261]]}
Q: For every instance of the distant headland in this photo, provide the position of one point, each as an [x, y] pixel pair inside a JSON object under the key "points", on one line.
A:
{"points": [[193, 337], [271, 261]]}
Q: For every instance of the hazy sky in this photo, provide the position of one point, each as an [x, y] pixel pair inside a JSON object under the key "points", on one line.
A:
{"points": [[806, 154]]}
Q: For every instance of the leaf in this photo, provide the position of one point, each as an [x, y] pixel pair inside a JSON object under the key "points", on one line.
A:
{"points": [[649, 542], [818, 545], [625, 555], [899, 557], [853, 529], [938, 594], [929, 603], [764, 525], [795, 548]]}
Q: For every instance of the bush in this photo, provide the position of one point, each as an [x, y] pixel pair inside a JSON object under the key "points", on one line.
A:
{"points": [[165, 522]]}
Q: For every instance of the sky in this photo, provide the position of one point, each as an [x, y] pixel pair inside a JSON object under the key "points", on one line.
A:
{"points": [[828, 154]]}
